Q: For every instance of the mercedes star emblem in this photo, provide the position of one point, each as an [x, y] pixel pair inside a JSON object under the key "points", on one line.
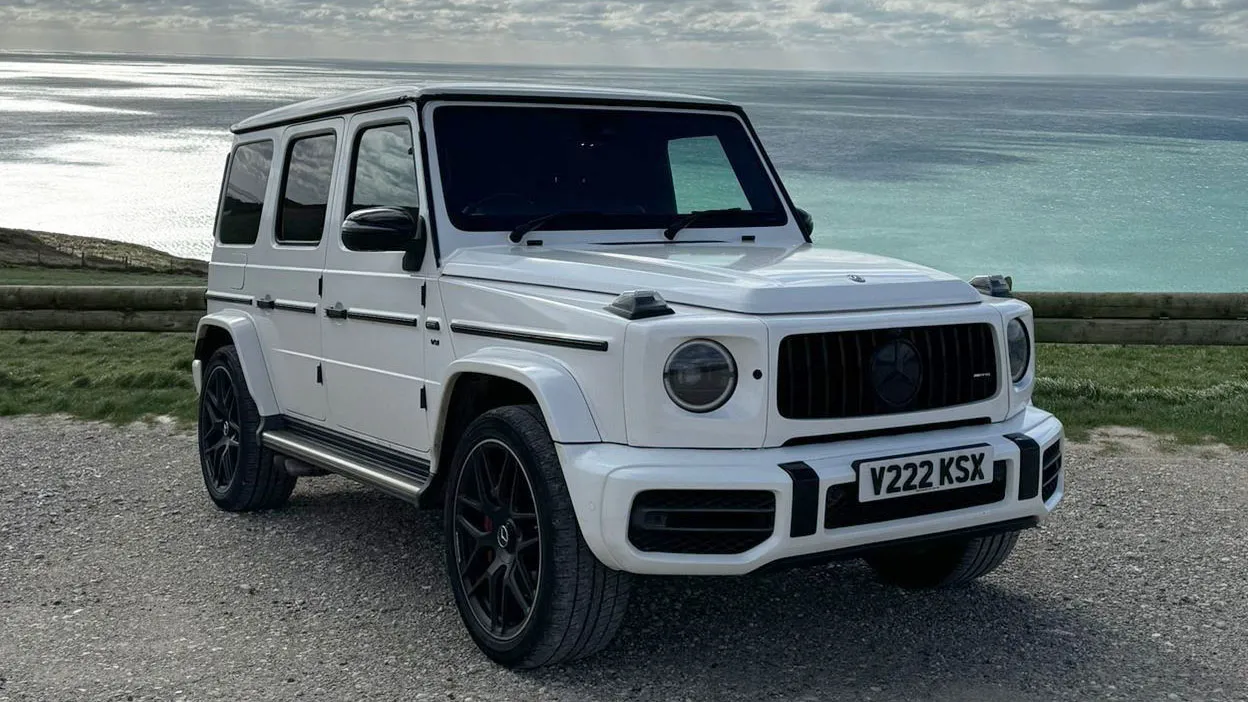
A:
{"points": [[896, 372]]}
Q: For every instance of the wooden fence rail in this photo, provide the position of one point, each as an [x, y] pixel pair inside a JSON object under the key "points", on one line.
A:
{"points": [[1077, 318], [1140, 318], [100, 308]]}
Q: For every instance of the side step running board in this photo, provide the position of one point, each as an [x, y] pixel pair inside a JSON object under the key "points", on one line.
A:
{"points": [[323, 454]]}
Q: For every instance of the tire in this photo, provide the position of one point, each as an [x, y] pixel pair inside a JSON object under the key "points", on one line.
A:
{"points": [[942, 564], [577, 603], [238, 472]]}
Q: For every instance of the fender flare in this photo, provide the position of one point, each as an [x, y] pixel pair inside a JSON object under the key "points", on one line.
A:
{"points": [[246, 339], [552, 384]]}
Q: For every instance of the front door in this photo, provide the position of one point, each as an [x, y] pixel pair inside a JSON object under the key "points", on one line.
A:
{"points": [[373, 342]]}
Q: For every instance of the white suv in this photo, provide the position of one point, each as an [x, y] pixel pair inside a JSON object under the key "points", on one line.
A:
{"points": [[591, 327]]}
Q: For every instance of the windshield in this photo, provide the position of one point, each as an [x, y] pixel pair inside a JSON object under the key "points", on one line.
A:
{"points": [[503, 166]]}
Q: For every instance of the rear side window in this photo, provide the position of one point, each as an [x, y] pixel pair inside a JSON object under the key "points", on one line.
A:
{"points": [[384, 170], [245, 185], [305, 189]]}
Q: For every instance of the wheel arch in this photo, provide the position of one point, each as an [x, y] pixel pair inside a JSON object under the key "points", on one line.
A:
{"points": [[231, 327], [493, 378]]}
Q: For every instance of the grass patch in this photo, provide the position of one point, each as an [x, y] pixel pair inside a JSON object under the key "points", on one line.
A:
{"points": [[30, 275], [111, 376], [1196, 394]]}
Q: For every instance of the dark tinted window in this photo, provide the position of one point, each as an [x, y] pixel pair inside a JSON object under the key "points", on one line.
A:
{"points": [[614, 169], [243, 202], [305, 191], [384, 170]]}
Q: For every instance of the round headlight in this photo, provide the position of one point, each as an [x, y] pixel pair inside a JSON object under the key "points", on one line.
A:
{"points": [[1019, 345], [700, 375]]}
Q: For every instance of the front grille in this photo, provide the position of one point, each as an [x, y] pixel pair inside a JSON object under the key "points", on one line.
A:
{"points": [[830, 375], [701, 521], [1052, 470], [842, 508]]}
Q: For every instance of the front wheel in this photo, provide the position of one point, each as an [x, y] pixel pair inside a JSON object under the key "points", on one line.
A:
{"points": [[942, 563], [528, 588]]}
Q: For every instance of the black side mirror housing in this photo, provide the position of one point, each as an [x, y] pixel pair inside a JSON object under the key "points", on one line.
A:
{"points": [[387, 229], [378, 229], [805, 222]]}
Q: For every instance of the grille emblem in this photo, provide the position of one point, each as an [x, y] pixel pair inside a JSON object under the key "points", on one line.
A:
{"points": [[857, 278], [896, 372]]}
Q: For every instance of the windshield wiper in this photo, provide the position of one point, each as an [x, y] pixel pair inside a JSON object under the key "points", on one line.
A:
{"points": [[692, 217], [517, 234]]}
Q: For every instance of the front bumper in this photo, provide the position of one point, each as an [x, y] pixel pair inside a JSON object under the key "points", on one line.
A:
{"points": [[604, 479]]}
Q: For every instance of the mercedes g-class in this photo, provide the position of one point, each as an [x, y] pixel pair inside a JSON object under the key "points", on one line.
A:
{"points": [[592, 328]]}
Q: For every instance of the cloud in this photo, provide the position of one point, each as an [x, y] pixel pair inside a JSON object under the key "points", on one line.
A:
{"points": [[898, 34]]}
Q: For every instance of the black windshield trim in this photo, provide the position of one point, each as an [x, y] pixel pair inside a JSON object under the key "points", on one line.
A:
{"points": [[777, 217], [638, 102]]}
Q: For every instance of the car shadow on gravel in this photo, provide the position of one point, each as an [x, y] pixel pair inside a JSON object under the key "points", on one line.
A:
{"points": [[809, 632], [803, 633]]}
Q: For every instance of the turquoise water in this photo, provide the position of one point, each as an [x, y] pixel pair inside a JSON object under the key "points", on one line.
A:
{"points": [[1066, 184], [1166, 216]]}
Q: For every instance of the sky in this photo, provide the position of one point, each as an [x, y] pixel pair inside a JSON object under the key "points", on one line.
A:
{"points": [[1162, 37]]}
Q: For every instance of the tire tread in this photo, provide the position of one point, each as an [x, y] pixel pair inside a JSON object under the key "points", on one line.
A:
{"points": [[589, 619]]}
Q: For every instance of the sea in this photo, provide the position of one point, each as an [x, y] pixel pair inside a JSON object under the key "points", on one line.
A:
{"points": [[1064, 183]]}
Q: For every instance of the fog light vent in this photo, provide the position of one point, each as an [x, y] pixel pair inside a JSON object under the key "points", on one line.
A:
{"points": [[701, 521]]}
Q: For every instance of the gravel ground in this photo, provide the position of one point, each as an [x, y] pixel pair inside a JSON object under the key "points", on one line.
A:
{"points": [[120, 581]]}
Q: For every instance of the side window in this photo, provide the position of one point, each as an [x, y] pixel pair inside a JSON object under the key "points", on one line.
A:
{"points": [[383, 171], [305, 189], [702, 176], [245, 185]]}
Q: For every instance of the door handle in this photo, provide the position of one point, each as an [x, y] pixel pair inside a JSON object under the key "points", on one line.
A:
{"points": [[336, 312]]}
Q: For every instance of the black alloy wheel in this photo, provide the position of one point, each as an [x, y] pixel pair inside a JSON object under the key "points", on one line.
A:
{"points": [[527, 586], [497, 539], [220, 429], [239, 473]]}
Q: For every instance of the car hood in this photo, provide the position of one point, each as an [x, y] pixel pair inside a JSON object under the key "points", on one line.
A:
{"points": [[752, 279]]}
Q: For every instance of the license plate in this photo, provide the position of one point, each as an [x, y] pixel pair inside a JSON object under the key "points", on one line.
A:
{"points": [[917, 473]]}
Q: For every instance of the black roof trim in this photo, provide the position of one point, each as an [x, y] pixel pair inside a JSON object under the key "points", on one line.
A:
{"points": [[575, 100], [421, 100]]}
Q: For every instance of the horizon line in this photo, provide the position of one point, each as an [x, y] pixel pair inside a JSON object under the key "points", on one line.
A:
{"points": [[613, 66]]}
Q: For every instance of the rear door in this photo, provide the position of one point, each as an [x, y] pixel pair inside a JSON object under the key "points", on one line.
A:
{"points": [[374, 344], [285, 275]]}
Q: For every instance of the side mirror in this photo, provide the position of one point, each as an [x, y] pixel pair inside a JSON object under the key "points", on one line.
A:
{"points": [[805, 222], [378, 229]]}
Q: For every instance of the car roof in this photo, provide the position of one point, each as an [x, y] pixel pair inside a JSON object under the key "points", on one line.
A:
{"points": [[380, 97]]}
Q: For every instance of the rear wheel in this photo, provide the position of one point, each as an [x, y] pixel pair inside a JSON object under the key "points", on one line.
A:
{"points": [[942, 563], [527, 586], [238, 472]]}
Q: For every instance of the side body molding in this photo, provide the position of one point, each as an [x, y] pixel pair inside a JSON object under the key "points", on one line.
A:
{"points": [[250, 354], [558, 394]]}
